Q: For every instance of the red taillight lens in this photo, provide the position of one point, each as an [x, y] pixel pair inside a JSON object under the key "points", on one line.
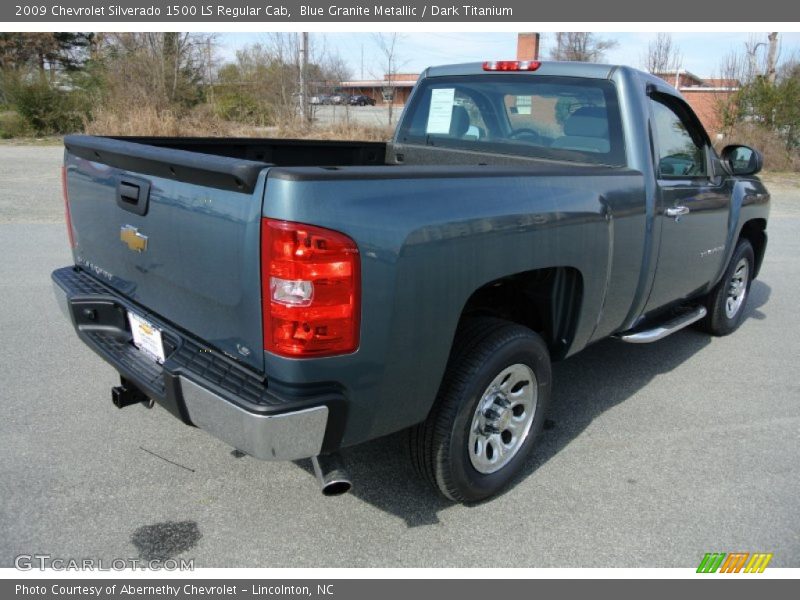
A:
{"points": [[67, 215], [511, 65], [310, 290]]}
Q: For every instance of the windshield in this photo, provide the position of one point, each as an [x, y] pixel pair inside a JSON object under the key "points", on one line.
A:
{"points": [[562, 118]]}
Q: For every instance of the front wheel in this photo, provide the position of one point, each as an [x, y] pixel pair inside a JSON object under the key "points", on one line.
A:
{"points": [[726, 302], [489, 411]]}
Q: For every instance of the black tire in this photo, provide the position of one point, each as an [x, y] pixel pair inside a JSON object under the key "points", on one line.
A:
{"points": [[483, 348], [720, 321]]}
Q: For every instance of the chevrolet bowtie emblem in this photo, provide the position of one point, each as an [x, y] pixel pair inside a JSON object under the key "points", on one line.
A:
{"points": [[132, 238]]}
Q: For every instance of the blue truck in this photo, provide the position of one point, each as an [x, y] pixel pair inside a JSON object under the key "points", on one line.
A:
{"points": [[294, 298]]}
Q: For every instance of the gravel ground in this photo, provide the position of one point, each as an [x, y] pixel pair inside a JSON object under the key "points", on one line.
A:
{"points": [[658, 453], [30, 184]]}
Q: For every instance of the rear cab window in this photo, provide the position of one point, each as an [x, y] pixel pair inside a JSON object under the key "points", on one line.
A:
{"points": [[562, 118]]}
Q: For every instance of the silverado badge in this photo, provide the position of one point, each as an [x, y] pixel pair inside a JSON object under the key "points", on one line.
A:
{"points": [[132, 238]]}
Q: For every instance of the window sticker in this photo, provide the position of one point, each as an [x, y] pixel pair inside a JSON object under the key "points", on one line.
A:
{"points": [[441, 111], [524, 105]]}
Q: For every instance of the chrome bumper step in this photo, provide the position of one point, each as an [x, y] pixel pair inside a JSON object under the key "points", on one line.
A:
{"points": [[647, 336]]}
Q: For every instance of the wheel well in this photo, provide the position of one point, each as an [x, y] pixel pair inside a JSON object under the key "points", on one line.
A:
{"points": [[754, 231], [545, 300]]}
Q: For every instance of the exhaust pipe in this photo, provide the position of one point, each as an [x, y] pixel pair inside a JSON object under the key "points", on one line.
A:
{"points": [[128, 394], [333, 479]]}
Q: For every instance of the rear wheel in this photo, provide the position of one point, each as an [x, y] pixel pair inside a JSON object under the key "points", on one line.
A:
{"points": [[488, 413], [725, 303]]}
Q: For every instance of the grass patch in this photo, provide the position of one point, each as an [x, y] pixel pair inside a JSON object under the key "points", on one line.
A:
{"points": [[203, 122]]}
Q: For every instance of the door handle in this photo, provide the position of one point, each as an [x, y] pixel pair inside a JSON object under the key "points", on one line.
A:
{"points": [[129, 192], [677, 211], [133, 194]]}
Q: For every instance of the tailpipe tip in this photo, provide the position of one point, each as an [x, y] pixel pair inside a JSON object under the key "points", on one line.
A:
{"points": [[330, 472]]}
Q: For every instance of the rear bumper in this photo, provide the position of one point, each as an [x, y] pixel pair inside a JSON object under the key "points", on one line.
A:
{"points": [[197, 384], [284, 436]]}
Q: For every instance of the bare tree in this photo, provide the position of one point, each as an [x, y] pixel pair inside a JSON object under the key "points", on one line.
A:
{"points": [[662, 55], [581, 46], [772, 57], [759, 59], [283, 63], [334, 70], [755, 67], [733, 68], [163, 70], [387, 44], [789, 68]]}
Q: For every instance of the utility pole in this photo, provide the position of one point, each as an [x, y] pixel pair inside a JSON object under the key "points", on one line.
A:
{"points": [[303, 74]]}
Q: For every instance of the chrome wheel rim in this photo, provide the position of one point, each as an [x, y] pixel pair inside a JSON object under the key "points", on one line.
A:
{"points": [[737, 288], [503, 418]]}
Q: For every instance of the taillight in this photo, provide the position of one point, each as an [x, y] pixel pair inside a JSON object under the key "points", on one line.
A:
{"points": [[67, 215], [310, 290], [511, 65]]}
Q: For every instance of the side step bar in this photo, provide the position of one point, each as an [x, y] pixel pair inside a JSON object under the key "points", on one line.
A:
{"points": [[648, 336]]}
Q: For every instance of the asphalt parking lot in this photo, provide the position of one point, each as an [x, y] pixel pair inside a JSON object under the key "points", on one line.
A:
{"points": [[370, 116], [657, 454]]}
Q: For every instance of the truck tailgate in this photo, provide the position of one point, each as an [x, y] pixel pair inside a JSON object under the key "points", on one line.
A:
{"points": [[176, 232]]}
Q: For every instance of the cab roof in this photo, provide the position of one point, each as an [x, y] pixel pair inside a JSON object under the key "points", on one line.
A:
{"points": [[569, 69]]}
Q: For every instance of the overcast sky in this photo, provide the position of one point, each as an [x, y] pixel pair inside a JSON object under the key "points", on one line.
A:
{"points": [[701, 51]]}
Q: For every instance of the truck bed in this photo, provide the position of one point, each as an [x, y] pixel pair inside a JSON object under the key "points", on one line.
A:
{"points": [[280, 152], [224, 163]]}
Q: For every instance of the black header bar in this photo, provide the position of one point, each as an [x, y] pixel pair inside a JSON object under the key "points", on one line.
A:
{"points": [[458, 11]]}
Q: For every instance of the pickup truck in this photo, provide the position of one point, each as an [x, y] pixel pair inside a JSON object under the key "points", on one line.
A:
{"points": [[294, 298]]}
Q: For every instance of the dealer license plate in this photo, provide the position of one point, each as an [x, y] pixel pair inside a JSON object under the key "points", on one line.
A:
{"points": [[146, 337]]}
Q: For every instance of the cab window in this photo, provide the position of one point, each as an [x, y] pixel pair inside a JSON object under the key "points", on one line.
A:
{"points": [[553, 117], [681, 148]]}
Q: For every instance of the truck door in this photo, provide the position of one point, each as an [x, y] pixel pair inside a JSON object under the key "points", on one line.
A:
{"points": [[692, 207]]}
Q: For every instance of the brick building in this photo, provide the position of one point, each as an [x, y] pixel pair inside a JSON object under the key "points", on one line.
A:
{"points": [[395, 88], [704, 95]]}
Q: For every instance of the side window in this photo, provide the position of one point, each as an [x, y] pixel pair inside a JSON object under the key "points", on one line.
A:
{"points": [[679, 152]]}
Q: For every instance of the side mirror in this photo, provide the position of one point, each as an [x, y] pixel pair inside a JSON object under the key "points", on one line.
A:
{"points": [[742, 160]]}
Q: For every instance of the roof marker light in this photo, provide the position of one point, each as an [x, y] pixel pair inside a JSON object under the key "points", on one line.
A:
{"points": [[511, 65]]}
